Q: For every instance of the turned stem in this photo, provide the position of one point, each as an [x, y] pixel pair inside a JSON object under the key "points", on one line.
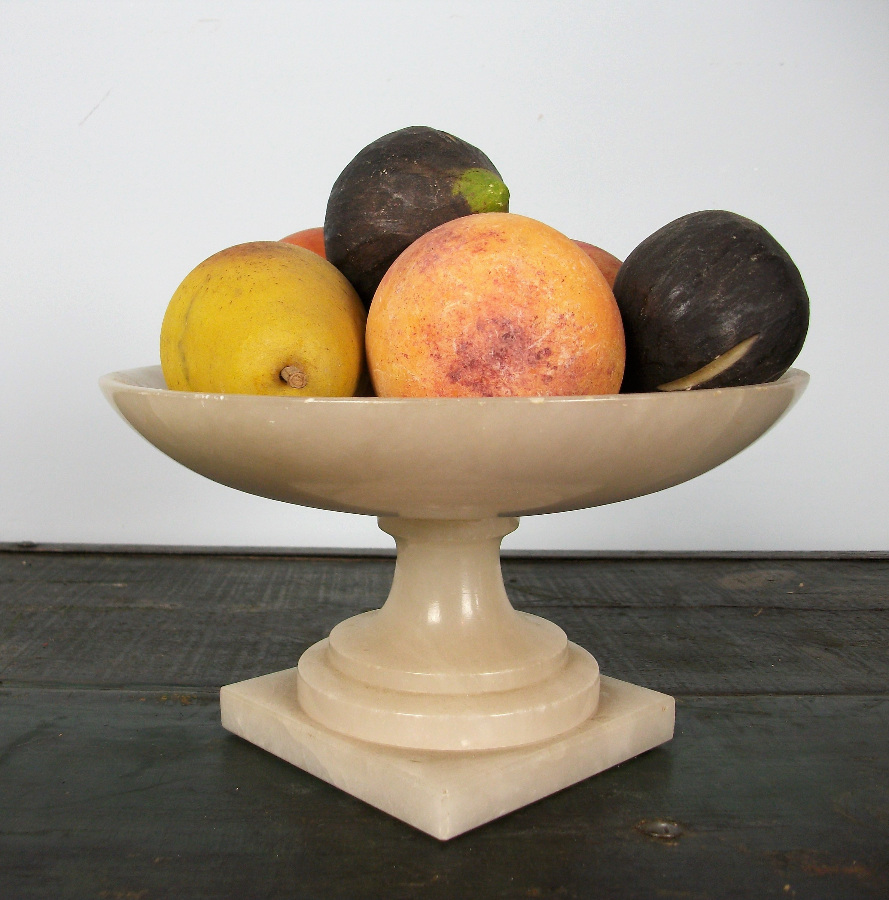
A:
{"points": [[447, 663], [448, 625]]}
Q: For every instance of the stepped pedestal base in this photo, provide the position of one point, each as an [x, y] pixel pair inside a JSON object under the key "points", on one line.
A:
{"points": [[447, 708], [445, 793]]}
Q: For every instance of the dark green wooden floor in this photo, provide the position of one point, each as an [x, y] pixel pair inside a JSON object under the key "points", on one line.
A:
{"points": [[118, 783]]}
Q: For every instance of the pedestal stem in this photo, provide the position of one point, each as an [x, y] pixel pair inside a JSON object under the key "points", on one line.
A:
{"points": [[447, 625], [447, 663], [447, 577]]}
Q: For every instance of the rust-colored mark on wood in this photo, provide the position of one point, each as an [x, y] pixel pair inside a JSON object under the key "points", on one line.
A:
{"points": [[823, 865]]}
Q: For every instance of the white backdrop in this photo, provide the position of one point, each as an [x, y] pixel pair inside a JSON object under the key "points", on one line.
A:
{"points": [[139, 138]]}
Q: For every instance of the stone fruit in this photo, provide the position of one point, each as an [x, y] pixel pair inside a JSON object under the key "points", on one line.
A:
{"points": [[264, 318], [710, 300], [310, 238], [607, 263], [494, 304], [398, 188]]}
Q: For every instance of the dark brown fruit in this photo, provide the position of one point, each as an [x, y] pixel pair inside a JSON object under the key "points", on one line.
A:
{"points": [[710, 300], [398, 188]]}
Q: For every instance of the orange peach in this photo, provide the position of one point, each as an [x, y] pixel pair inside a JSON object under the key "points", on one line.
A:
{"points": [[310, 238], [494, 304], [607, 263]]}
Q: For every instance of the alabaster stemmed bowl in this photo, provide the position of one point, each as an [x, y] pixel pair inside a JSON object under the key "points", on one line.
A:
{"points": [[447, 707]]}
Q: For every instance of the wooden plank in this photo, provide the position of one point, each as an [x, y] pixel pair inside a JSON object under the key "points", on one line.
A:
{"points": [[804, 582], [107, 794], [123, 791], [678, 626], [694, 582]]}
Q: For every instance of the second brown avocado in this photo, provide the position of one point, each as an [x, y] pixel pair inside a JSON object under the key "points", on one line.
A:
{"points": [[395, 190]]}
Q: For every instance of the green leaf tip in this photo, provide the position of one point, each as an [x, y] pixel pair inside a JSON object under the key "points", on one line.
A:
{"points": [[483, 191]]}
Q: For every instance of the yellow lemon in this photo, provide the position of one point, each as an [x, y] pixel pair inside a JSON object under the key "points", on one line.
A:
{"points": [[264, 318]]}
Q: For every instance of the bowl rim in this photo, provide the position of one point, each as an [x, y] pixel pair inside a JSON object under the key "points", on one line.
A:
{"points": [[124, 379]]}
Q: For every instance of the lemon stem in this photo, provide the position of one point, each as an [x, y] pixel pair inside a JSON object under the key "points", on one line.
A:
{"points": [[294, 376]]}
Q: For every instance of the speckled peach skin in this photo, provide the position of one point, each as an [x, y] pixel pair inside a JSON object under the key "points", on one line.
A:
{"points": [[494, 304]]}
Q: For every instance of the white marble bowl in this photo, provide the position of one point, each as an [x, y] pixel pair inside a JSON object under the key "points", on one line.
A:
{"points": [[450, 458], [447, 707]]}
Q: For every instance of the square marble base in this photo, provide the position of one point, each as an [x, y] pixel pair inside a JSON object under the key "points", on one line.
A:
{"points": [[441, 793]]}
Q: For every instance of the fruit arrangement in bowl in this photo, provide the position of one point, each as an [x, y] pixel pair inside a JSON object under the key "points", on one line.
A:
{"points": [[422, 283], [434, 359]]}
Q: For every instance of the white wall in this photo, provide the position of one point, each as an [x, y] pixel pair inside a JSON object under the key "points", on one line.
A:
{"points": [[139, 138]]}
